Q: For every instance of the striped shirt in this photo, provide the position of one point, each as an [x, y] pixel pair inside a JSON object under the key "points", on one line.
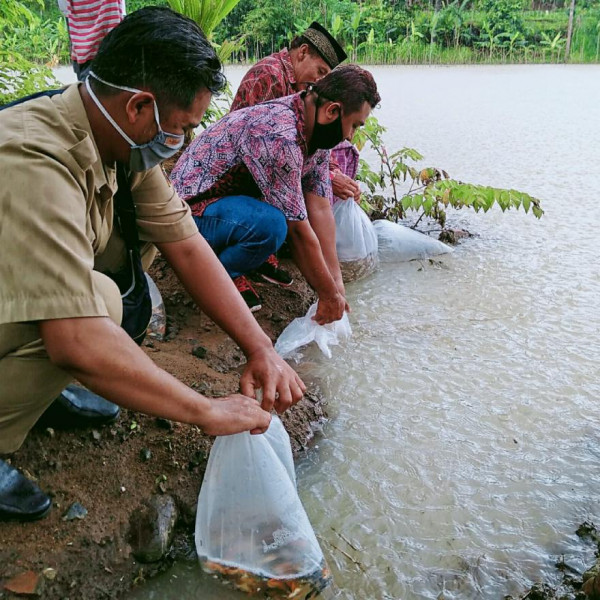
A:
{"points": [[89, 21]]}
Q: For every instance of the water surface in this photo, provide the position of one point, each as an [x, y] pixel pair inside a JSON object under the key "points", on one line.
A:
{"points": [[463, 446]]}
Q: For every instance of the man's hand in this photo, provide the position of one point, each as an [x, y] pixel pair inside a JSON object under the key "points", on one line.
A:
{"points": [[234, 414], [280, 384], [330, 309], [345, 187]]}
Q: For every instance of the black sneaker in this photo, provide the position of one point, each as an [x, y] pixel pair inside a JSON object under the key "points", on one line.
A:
{"points": [[248, 293], [272, 272]]}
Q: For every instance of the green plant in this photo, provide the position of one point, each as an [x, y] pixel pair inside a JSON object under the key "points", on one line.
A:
{"points": [[430, 190], [19, 76]]}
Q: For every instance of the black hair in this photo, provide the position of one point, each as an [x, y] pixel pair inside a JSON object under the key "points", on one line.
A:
{"points": [[350, 85], [159, 50]]}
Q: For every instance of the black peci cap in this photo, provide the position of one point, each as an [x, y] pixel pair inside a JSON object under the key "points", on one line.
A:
{"points": [[324, 43]]}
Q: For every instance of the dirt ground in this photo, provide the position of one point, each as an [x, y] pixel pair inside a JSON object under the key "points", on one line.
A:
{"points": [[112, 470]]}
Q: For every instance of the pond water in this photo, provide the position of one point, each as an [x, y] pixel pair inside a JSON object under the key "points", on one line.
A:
{"points": [[463, 447]]}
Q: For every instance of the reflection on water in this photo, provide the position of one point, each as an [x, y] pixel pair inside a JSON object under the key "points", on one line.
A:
{"points": [[463, 450]]}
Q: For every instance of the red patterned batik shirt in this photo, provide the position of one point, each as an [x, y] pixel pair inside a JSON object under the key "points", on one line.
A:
{"points": [[259, 151], [270, 78]]}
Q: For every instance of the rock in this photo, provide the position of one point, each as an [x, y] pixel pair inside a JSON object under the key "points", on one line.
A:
{"points": [[145, 454], [50, 432], [591, 588], [451, 236], [164, 423], [49, 573], [75, 511], [199, 352], [96, 435], [151, 529], [25, 584]]}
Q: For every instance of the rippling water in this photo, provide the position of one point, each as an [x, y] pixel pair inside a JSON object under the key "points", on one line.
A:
{"points": [[463, 448]]}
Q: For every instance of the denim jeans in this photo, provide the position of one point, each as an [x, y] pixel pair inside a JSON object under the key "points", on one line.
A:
{"points": [[243, 232]]}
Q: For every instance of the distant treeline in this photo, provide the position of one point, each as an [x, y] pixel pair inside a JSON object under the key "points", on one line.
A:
{"points": [[374, 31]]}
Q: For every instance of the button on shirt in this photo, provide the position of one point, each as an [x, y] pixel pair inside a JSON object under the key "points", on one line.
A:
{"points": [[56, 211], [258, 151]]}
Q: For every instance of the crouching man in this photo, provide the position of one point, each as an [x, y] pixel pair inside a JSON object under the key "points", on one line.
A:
{"points": [[262, 173], [69, 245]]}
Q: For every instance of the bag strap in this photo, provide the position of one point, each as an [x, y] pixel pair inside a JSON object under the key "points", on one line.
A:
{"points": [[46, 93], [125, 210]]}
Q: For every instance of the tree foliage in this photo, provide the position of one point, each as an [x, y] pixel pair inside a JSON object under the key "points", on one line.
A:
{"points": [[430, 190]]}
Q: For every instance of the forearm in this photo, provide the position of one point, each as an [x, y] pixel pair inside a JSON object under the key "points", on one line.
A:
{"points": [[308, 255], [206, 280], [320, 217], [100, 355]]}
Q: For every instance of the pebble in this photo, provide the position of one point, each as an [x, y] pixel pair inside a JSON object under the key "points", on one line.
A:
{"points": [[49, 573], [199, 351], [96, 435], [145, 454], [75, 511]]}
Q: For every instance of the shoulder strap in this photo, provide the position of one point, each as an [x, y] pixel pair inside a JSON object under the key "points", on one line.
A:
{"points": [[48, 93], [125, 210]]}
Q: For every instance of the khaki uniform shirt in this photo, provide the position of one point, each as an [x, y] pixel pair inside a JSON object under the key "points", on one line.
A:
{"points": [[56, 211]]}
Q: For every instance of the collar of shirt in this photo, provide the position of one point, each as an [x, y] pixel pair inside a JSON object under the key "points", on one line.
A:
{"points": [[288, 67], [86, 151]]}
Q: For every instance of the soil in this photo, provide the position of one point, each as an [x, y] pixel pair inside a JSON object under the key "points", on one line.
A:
{"points": [[111, 471]]}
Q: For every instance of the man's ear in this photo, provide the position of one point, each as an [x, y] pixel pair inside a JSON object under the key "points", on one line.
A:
{"points": [[303, 52], [333, 111], [139, 105]]}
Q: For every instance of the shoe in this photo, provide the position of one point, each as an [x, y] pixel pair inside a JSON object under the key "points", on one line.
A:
{"points": [[248, 293], [272, 272], [78, 407], [20, 499]]}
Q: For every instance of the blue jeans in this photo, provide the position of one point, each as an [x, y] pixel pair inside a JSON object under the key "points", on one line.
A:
{"points": [[243, 232]]}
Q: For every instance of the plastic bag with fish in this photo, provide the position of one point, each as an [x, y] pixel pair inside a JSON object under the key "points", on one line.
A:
{"points": [[398, 243], [355, 240], [251, 528], [304, 330]]}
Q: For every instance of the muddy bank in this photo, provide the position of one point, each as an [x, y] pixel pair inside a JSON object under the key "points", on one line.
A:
{"points": [[113, 470]]}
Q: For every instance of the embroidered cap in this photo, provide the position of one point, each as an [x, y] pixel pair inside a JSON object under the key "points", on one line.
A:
{"points": [[324, 43]]}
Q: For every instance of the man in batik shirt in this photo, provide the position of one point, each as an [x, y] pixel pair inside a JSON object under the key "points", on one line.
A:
{"points": [[261, 174], [310, 57]]}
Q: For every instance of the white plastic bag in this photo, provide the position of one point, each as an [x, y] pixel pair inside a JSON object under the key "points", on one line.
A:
{"points": [[251, 528], [355, 240], [158, 320], [398, 243], [304, 330]]}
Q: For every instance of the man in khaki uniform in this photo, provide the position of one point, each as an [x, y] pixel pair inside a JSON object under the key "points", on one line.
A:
{"points": [[152, 81]]}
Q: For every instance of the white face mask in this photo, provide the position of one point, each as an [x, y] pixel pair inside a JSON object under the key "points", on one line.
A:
{"points": [[143, 156]]}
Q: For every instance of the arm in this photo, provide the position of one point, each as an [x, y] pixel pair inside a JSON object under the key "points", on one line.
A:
{"points": [[196, 264], [321, 220], [99, 354], [308, 255]]}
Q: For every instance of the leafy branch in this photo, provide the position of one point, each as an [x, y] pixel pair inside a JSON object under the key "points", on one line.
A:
{"points": [[430, 190]]}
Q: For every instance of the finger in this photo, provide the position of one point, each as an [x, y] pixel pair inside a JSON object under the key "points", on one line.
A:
{"points": [[284, 401], [263, 426], [247, 386], [269, 391], [300, 384]]}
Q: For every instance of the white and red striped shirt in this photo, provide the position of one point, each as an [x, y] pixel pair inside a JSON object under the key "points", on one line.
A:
{"points": [[89, 22]]}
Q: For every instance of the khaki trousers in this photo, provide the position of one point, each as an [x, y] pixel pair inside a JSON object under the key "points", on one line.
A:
{"points": [[29, 382]]}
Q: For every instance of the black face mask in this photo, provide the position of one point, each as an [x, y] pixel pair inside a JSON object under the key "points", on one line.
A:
{"points": [[326, 137]]}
